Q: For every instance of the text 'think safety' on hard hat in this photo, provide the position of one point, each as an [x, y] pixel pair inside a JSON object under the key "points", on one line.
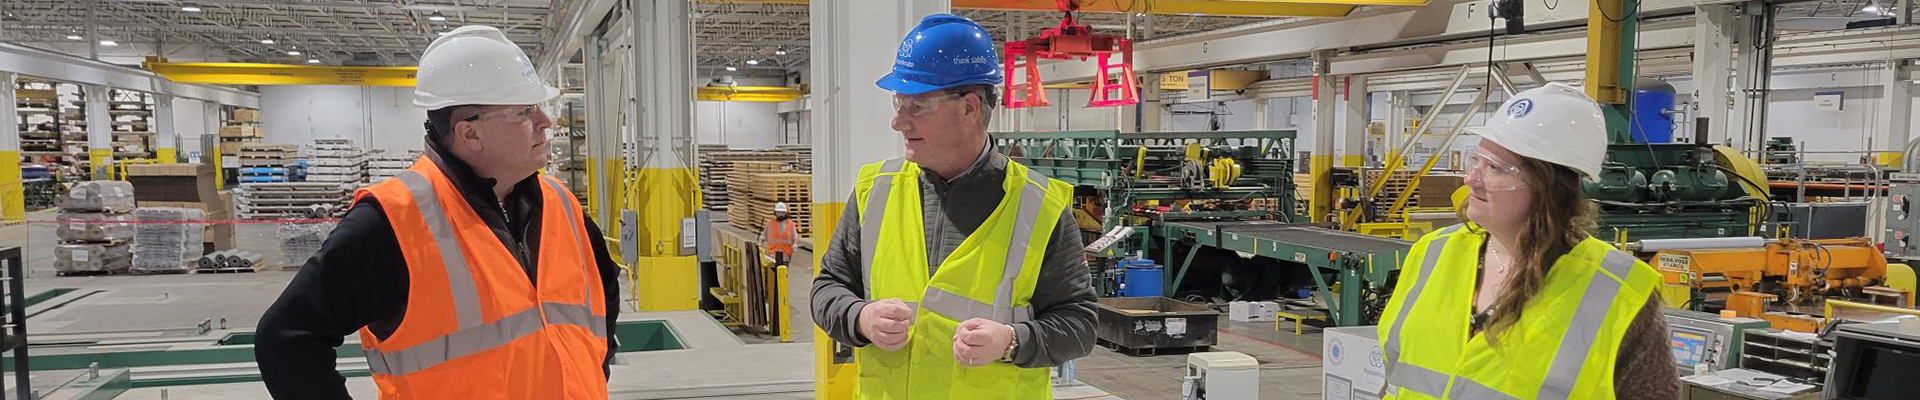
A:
{"points": [[1555, 123], [780, 207], [946, 50], [477, 65]]}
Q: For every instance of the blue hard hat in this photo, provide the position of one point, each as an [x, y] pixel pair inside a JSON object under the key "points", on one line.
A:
{"points": [[946, 50]]}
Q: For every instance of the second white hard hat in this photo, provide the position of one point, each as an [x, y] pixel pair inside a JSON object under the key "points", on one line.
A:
{"points": [[1555, 123], [477, 65], [780, 207]]}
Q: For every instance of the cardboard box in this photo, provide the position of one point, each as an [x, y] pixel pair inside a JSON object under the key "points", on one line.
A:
{"points": [[191, 183], [1437, 190], [245, 115], [1351, 364], [1252, 311]]}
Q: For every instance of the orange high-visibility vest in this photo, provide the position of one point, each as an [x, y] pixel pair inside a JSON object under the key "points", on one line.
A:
{"points": [[780, 236], [475, 327]]}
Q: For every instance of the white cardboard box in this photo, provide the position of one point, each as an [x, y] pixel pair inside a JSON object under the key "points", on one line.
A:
{"points": [[1352, 365], [1252, 311]]}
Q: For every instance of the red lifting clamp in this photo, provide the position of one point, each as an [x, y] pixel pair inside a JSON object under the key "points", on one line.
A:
{"points": [[1070, 41]]}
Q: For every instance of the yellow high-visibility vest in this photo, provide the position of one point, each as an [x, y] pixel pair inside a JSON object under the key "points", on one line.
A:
{"points": [[1563, 346], [991, 275]]}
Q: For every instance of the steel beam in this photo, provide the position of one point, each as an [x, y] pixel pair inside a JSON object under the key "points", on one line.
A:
{"points": [[1712, 67], [1441, 21], [1320, 163], [99, 129], [61, 67], [412, 5], [1354, 125]]}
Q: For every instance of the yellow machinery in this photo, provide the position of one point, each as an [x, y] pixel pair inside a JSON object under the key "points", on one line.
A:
{"points": [[1757, 273], [752, 288], [1794, 269]]}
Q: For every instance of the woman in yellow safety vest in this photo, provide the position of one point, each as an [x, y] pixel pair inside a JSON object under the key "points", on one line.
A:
{"points": [[1521, 302]]}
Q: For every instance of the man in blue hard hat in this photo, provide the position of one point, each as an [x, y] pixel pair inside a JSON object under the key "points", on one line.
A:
{"points": [[955, 272]]}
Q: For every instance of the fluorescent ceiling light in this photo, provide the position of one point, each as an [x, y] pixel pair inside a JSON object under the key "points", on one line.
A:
{"points": [[753, 62], [75, 37], [731, 69], [293, 53], [436, 17], [108, 43], [190, 8], [313, 61], [266, 41], [779, 52]]}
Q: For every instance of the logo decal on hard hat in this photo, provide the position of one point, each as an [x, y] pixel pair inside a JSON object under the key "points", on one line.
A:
{"points": [[1520, 108]]}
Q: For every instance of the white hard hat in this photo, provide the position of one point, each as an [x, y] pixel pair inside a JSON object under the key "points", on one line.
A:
{"points": [[477, 65], [1555, 123], [780, 207]]}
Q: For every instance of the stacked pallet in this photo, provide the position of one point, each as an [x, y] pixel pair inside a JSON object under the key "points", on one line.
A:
{"points": [[240, 131], [759, 185], [803, 156], [337, 161], [383, 165], [95, 230], [717, 165], [289, 200], [267, 162], [167, 247], [1398, 182]]}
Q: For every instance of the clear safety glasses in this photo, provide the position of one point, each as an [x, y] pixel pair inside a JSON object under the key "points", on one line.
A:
{"points": [[1492, 173], [919, 106]]}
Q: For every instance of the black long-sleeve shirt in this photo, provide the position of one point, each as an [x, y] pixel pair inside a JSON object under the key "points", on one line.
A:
{"points": [[359, 279], [1063, 299]]}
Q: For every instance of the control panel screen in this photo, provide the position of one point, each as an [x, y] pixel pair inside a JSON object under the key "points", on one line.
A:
{"points": [[1689, 348]]}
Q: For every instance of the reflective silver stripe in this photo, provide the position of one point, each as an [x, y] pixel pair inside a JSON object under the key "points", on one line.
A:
{"points": [[461, 343], [573, 224], [960, 308], [1418, 379], [1595, 303], [1031, 195], [1392, 349], [577, 315], [466, 296], [1464, 388], [872, 217]]}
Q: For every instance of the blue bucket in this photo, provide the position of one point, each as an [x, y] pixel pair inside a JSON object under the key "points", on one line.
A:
{"points": [[1141, 280]]}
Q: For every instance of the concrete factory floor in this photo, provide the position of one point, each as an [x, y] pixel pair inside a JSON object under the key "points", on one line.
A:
{"points": [[717, 365]]}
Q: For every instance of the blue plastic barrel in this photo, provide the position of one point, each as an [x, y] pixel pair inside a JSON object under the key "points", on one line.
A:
{"points": [[1651, 123], [1141, 280]]}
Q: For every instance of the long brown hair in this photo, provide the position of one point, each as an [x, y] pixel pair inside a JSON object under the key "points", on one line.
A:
{"points": [[1560, 218]]}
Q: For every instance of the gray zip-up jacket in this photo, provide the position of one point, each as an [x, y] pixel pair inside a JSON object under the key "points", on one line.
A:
{"points": [[1063, 300]]}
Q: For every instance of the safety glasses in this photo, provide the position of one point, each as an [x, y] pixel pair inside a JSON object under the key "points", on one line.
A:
{"points": [[919, 106], [522, 113], [1493, 174]]}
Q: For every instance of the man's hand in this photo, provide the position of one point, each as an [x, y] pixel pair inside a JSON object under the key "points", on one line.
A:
{"points": [[886, 322], [980, 341]]}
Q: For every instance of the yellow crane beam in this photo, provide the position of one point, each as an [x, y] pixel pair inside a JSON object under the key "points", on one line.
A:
{"points": [[1240, 8], [759, 94], [282, 74]]}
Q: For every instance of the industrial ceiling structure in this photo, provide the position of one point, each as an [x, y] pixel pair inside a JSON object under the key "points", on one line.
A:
{"points": [[756, 38]]}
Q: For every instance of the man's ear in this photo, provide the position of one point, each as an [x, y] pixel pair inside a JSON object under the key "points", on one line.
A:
{"points": [[465, 132]]}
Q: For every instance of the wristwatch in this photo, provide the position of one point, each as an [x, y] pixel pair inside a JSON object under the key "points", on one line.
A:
{"points": [[1013, 342]]}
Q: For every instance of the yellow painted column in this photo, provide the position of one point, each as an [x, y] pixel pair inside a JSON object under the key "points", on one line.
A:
{"points": [[99, 130], [13, 206], [833, 379], [1320, 164], [165, 130], [663, 190]]}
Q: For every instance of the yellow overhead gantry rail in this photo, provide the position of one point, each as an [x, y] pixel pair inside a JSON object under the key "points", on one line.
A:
{"points": [[1238, 8], [286, 74]]}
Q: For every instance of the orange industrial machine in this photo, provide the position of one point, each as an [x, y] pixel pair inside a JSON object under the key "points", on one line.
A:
{"points": [[1755, 273]]}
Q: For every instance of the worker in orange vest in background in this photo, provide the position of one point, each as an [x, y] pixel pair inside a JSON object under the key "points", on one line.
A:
{"points": [[778, 234]]}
